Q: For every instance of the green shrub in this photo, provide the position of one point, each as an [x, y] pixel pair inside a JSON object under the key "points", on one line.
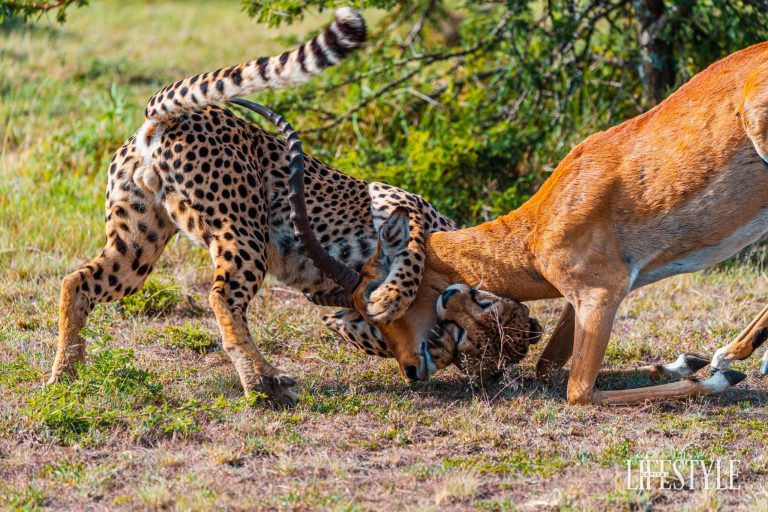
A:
{"points": [[111, 392], [154, 298], [107, 391], [191, 337], [473, 104]]}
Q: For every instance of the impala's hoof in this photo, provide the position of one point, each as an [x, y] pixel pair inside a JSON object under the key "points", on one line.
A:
{"points": [[685, 365], [764, 366], [721, 380], [734, 377], [695, 361]]}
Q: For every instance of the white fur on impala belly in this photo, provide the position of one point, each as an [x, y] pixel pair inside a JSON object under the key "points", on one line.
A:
{"points": [[698, 260]]}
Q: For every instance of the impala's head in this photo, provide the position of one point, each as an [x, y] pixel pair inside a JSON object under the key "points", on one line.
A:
{"points": [[379, 294], [487, 332]]}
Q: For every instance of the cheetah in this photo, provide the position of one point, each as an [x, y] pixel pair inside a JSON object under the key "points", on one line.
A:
{"points": [[196, 168]]}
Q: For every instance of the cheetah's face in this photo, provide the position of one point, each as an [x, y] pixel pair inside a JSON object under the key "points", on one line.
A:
{"points": [[354, 329], [481, 332], [365, 336]]}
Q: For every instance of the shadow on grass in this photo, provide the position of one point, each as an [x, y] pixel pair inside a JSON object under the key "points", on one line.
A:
{"points": [[452, 390]]}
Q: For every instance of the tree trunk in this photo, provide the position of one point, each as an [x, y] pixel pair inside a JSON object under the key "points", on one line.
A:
{"points": [[657, 63]]}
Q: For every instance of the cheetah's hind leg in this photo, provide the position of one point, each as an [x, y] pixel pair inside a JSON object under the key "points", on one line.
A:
{"points": [[136, 236]]}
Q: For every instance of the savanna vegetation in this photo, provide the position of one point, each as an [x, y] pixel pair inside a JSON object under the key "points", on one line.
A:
{"points": [[469, 104]]}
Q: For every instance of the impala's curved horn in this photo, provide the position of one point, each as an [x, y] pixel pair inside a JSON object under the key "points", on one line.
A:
{"points": [[342, 275], [338, 299]]}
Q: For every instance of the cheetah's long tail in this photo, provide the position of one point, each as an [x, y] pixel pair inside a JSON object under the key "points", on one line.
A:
{"points": [[344, 35]]}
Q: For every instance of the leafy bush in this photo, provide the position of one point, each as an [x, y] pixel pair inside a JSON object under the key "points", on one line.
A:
{"points": [[106, 393], [24, 9], [472, 104]]}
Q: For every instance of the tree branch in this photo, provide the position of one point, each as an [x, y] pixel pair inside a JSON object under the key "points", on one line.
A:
{"points": [[425, 60]]}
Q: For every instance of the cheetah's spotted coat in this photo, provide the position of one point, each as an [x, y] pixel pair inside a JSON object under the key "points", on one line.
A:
{"points": [[197, 168]]}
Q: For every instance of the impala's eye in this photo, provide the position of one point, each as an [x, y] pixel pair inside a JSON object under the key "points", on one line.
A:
{"points": [[482, 303]]}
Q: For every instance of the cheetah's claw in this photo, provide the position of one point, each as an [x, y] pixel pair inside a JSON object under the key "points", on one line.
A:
{"points": [[279, 389]]}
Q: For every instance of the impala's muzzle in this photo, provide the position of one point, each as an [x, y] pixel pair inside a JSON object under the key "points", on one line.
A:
{"points": [[425, 368]]}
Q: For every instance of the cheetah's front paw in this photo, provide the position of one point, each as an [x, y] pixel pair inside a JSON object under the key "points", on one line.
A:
{"points": [[385, 303], [280, 389]]}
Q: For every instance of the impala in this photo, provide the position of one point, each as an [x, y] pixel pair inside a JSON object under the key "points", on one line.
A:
{"points": [[674, 190]]}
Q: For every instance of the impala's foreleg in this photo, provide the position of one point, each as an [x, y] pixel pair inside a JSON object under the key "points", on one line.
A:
{"points": [[749, 340], [595, 313], [560, 346]]}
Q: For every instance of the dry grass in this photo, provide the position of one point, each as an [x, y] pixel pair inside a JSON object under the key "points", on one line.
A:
{"points": [[360, 439]]}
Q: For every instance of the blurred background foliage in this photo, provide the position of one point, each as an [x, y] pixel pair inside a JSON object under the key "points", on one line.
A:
{"points": [[24, 10], [473, 103]]}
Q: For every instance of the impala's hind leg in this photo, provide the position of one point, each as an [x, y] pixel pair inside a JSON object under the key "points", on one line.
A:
{"points": [[136, 236], [559, 348], [749, 340], [684, 366]]}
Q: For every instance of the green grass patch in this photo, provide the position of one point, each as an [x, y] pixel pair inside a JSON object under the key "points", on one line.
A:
{"points": [[517, 462], [18, 375], [21, 500], [496, 505], [617, 453], [112, 392], [190, 337], [155, 298], [65, 471], [622, 354], [336, 400]]}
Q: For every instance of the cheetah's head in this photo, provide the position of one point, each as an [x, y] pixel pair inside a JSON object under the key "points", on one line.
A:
{"points": [[481, 332]]}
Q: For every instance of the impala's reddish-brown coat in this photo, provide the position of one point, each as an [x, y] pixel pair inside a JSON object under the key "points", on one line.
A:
{"points": [[676, 189]]}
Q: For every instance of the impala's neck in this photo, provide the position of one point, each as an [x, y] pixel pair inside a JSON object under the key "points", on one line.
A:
{"points": [[495, 255]]}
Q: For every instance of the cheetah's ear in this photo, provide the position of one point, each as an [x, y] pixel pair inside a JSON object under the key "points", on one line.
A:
{"points": [[394, 233]]}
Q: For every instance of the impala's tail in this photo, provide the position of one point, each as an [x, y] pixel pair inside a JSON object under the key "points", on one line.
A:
{"points": [[345, 34]]}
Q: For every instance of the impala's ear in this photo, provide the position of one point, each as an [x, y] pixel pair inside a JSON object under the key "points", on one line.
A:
{"points": [[394, 233]]}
